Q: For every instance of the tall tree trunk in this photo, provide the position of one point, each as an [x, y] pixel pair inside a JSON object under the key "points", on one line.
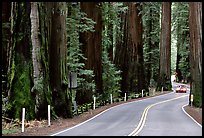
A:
{"points": [[120, 59], [58, 69], [110, 32], [124, 57], [135, 76], [6, 46], [37, 63], [195, 26], [21, 81], [149, 42], [135, 48], [165, 47], [110, 49], [92, 42]]}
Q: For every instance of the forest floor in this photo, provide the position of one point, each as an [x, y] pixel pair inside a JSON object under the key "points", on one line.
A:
{"points": [[40, 128]]}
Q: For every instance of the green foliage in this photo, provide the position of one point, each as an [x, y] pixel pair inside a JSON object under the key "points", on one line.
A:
{"points": [[151, 38], [78, 22], [197, 91], [111, 14], [111, 76], [197, 101], [5, 105], [10, 131], [39, 85], [153, 83], [85, 83], [86, 24], [180, 34], [22, 97]]}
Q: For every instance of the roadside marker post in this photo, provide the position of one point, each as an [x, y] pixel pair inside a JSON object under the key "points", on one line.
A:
{"points": [[191, 99], [162, 89], [48, 115], [23, 118], [125, 97], [94, 105], [111, 98], [142, 93]]}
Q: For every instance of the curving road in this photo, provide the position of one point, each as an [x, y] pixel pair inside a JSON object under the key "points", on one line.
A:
{"points": [[169, 119], [157, 116]]}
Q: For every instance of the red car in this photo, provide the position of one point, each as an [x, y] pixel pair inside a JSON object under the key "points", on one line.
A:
{"points": [[181, 88]]}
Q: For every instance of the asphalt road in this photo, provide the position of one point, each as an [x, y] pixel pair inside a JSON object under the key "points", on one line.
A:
{"points": [[157, 116], [169, 119]]}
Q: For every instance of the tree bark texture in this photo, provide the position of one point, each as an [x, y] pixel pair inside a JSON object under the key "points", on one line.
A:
{"points": [[165, 46], [6, 46], [110, 32], [129, 50], [120, 58], [57, 62], [38, 78], [195, 26], [92, 42], [34, 16], [135, 48], [21, 82]]}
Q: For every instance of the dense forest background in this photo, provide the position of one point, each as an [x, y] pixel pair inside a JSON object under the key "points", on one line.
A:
{"points": [[112, 48]]}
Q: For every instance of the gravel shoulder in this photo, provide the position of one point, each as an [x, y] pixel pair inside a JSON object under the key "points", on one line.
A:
{"points": [[60, 123]]}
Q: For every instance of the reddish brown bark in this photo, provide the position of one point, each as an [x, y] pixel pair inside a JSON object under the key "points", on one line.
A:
{"points": [[6, 45], [58, 68], [91, 41], [136, 48], [165, 46], [129, 53], [195, 26]]}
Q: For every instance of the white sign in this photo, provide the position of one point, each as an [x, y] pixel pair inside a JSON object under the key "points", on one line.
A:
{"points": [[72, 79]]}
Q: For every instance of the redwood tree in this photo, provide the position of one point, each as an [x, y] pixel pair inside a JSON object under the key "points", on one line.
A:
{"points": [[195, 26], [134, 47], [37, 89], [57, 63], [6, 47], [20, 79], [129, 52], [92, 42], [165, 47]]}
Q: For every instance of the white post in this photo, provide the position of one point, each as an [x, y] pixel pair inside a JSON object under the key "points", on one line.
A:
{"points": [[111, 98], [162, 90], [142, 93], [94, 106], [23, 117], [191, 99], [125, 97], [48, 115]]}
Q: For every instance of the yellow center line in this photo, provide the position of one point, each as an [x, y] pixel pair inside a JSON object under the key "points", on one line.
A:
{"points": [[144, 115]]}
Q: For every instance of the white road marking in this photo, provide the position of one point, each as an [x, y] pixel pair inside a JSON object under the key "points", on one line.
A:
{"points": [[190, 116]]}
